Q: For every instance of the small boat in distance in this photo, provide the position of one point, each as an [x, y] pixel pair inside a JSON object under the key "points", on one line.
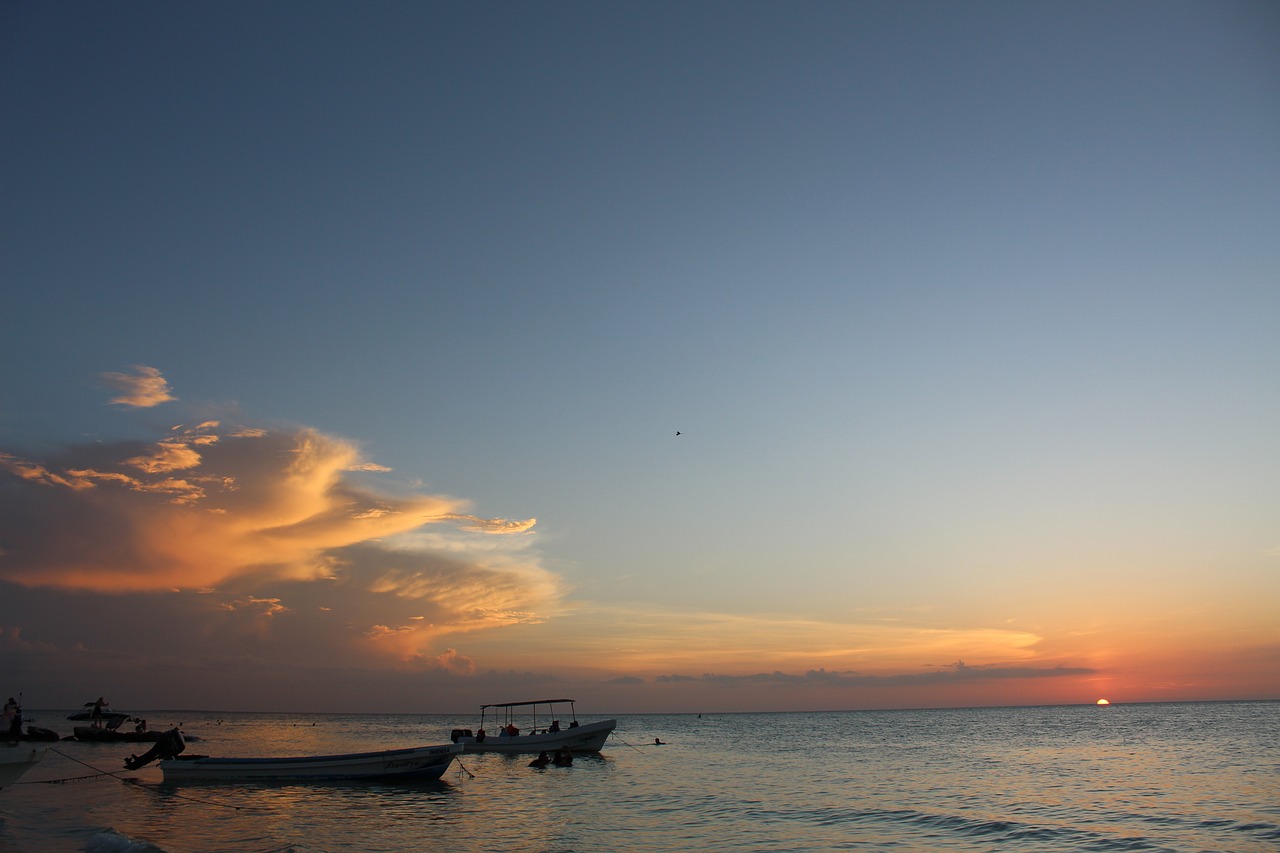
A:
{"points": [[551, 736], [414, 763], [16, 759]]}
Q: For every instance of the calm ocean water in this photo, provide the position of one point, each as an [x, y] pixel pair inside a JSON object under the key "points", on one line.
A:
{"points": [[1159, 777]]}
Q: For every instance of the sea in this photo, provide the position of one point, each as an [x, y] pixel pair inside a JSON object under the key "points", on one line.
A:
{"points": [[1141, 777]]}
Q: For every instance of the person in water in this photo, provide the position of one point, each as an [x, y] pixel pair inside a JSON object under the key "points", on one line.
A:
{"points": [[658, 742], [564, 758], [541, 761]]}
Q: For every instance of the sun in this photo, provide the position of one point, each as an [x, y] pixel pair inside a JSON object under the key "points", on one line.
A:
{"points": [[1104, 702]]}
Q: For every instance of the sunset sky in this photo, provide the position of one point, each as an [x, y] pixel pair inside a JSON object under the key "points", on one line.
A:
{"points": [[345, 348]]}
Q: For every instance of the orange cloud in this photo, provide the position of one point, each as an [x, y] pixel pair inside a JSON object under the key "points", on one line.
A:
{"points": [[267, 534], [648, 641], [493, 525], [143, 388], [267, 506]]}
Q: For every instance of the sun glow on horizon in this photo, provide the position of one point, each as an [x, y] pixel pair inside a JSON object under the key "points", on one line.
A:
{"points": [[1104, 702]]}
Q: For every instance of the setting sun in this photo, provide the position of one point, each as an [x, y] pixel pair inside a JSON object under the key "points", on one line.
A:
{"points": [[1103, 702]]}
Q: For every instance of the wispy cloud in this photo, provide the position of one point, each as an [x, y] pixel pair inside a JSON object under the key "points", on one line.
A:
{"points": [[143, 388], [493, 525], [657, 640], [950, 674]]}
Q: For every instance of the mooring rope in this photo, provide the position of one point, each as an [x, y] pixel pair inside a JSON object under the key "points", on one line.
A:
{"points": [[614, 735], [97, 774]]}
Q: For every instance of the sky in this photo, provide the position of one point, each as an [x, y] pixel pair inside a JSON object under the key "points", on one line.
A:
{"points": [[683, 357]]}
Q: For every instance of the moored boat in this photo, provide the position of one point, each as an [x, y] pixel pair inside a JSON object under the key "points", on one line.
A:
{"points": [[102, 735], [16, 759], [413, 763], [551, 735], [108, 726]]}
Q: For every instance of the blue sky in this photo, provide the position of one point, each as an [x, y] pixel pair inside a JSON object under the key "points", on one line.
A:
{"points": [[966, 311]]}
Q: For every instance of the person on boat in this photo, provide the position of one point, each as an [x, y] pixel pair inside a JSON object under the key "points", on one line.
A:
{"points": [[511, 730], [479, 735], [141, 726], [13, 716], [98, 705], [574, 724], [564, 758], [541, 761], [555, 726]]}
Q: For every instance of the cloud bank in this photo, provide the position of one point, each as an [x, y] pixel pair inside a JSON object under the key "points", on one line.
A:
{"points": [[276, 544], [951, 674]]}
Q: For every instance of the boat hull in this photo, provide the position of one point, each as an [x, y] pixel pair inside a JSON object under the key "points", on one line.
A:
{"points": [[96, 735], [588, 737], [16, 759], [416, 763]]}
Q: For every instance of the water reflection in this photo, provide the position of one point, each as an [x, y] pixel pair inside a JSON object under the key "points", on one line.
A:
{"points": [[1028, 780]]}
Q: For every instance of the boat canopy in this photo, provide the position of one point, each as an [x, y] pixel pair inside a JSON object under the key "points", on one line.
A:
{"points": [[531, 702], [509, 710]]}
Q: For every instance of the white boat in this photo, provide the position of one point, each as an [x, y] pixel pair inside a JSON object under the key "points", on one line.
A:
{"points": [[417, 763], [507, 736], [16, 759]]}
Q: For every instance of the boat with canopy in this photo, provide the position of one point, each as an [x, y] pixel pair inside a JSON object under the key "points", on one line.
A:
{"points": [[533, 726]]}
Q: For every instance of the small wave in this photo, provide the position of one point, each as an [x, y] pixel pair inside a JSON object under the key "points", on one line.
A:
{"points": [[110, 841], [1265, 831], [1003, 831]]}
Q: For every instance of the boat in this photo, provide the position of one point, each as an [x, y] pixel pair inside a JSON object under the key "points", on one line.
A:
{"points": [[109, 735], [106, 728], [507, 737], [16, 759], [37, 733], [416, 763]]}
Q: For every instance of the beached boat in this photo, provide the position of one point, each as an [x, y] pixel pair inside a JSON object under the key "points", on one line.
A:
{"points": [[506, 735], [16, 759], [416, 763]]}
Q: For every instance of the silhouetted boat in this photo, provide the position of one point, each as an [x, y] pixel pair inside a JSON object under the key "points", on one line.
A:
{"points": [[577, 737], [415, 763], [107, 726], [37, 733], [98, 735]]}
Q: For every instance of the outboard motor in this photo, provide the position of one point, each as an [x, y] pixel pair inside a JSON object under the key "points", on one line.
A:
{"points": [[170, 744]]}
